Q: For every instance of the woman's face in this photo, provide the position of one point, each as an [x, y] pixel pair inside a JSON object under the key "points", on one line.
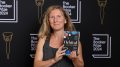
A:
{"points": [[57, 20]]}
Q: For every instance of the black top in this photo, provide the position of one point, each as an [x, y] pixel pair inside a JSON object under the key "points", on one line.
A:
{"points": [[49, 52]]}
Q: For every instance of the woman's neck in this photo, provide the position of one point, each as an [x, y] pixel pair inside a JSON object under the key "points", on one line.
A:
{"points": [[57, 39], [58, 34]]}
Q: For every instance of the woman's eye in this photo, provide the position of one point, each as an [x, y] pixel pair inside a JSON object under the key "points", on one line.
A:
{"points": [[51, 17], [58, 16]]}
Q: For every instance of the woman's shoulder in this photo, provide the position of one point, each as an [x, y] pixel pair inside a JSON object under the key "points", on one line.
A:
{"points": [[42, 38]]}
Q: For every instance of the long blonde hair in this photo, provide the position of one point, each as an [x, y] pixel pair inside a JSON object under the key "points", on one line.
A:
{"points": [[45, 28]]}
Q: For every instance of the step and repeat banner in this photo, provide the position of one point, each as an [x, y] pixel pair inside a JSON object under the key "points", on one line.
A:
{"points": [[20, 21]]}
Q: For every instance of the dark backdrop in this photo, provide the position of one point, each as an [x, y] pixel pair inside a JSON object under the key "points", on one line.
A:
{"points": [[90, 24]]}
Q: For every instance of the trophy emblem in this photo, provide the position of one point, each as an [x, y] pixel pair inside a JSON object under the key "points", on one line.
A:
{"points": [[39, 4], [102, 5], [7, 37]]}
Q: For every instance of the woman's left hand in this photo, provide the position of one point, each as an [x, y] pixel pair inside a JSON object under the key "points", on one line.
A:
{"points": [[73, 55]]}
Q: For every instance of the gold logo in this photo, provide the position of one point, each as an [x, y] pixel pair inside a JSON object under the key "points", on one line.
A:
{"points": [[39, 3], [102, 5], [7, 36]]}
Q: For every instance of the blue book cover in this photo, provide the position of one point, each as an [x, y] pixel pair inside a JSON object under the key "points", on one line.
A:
{"points": [[71, 39]]}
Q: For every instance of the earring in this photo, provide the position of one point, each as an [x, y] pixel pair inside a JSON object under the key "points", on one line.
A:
{"points": [[65, 21]]}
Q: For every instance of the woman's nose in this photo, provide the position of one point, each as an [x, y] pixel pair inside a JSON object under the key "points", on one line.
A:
{"points": [[55, 19]]}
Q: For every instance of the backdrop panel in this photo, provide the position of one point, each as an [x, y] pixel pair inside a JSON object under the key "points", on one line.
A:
{"points": [[96, 20]]}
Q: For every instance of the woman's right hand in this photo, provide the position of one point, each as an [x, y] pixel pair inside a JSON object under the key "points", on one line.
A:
{"points": [[59, 53]]}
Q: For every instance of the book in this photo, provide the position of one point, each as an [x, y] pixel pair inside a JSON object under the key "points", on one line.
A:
{"points": [[71, 39]]}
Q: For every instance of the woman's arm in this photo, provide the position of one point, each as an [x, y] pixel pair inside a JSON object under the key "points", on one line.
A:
{"points": [[38, 62], [77, 60]]}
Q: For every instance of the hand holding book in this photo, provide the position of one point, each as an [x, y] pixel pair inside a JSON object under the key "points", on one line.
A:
{"points": [[71, 39]]}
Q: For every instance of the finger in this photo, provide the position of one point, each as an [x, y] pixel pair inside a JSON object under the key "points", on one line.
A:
{"points": [[63, 51], [61, 54], [60, 48], [73, 53]]}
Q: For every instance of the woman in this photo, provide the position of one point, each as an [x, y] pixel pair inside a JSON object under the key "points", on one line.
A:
{"points": [[49, 52]]}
